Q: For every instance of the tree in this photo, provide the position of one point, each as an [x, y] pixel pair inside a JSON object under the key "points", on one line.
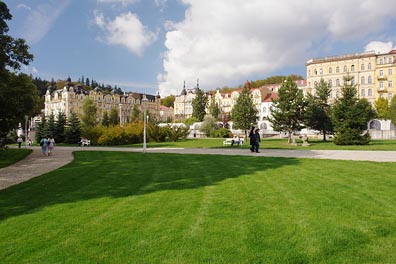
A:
{"points": [[18, 95], [318, 110], [199, 105], [214, 109], [168, 101], [244, 113], [288, 109], [60, 126], [382, 108], [114, 118], [51, 126], [73, 130], [40, 129], [89, 114], [208, 125], [105, 119], [350, 116], [135, 115], [392, 110]]}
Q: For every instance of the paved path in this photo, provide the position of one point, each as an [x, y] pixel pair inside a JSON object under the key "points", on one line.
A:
{"points": [[36, 164]]}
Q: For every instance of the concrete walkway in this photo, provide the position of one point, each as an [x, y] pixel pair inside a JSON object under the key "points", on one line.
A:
{"points": [[36, 164]]}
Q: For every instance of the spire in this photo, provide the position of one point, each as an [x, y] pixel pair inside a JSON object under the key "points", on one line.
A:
{"points": [[184, 92], [198, 83]]}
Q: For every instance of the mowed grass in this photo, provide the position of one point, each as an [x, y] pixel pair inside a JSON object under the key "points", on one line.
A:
{"points": [[272, 143], [10, 156], [115, 207]]}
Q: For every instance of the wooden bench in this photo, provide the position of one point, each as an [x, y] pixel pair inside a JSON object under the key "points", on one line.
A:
{"points": [[228, 141]]}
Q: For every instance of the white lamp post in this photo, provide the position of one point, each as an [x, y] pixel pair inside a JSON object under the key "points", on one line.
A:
{"points": [[144, 101], [26, 132], [120, 105]]}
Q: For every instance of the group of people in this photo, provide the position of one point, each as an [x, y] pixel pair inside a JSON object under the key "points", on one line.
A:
{"points": [[254, 136], [47, 145]]}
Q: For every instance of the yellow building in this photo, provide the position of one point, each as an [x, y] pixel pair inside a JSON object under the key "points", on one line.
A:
{"points": [[71, 100], [373, 73]]}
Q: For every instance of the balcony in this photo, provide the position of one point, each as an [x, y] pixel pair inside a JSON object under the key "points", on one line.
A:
{"points": [[382, 78], [382, 90]]}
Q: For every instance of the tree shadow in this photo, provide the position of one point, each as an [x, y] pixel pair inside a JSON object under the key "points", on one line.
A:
{"points": [[96, 174]]}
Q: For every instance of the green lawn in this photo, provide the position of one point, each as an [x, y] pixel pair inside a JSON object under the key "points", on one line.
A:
{"points": [[113, 207], [11, 156], [272, 143]]}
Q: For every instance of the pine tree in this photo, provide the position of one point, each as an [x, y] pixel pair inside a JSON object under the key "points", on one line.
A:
{"points": [[105, 119], [73, 130], [199, 105], [318, 110], [51, 126], [350, 116], [244, 113], [40, 133], [60, 125], [288, 110], [214, 108]]}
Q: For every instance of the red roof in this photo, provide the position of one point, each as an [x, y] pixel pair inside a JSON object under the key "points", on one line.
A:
{"points": [[270, 96]]}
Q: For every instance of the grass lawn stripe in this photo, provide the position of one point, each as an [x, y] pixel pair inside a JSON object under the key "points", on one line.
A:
{"points": [[111, 207]]}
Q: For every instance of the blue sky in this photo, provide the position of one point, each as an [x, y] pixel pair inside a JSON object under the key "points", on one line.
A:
{"points": [[156, 45]]}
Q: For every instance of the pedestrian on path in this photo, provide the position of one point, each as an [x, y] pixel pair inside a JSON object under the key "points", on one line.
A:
{"points": [[51, 145], [43, 144], [19, 140], [252, 139], [257, 140]]}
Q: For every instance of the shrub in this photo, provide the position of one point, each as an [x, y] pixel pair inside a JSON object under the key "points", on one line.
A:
{"points": [[221, 133]]}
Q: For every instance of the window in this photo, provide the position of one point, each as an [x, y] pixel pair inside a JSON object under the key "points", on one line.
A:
{"points": [[353, 81], [390, 72], [390, 84], [369, 66], [362, 80], [337, 69], [370, 92], [369, 80], [330, 70], [315, 84], [363, 92], [381, 85], [315, 72], [345, 68], [337, 94], [390, 96], [330, 95], [321, 71], [352, 67], [264, 110], [389, 60], [338, 82], [381, 61], [381, 72], [362, 67], [330, 83]]}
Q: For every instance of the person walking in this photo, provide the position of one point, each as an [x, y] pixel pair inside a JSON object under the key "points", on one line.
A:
{"points": [[257, 140], [19, 140], [51, 145], [252, 139], [43, 144]]}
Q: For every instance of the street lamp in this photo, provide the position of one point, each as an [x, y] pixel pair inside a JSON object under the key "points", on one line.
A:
{"points": [[120, 105], [144, 102], [26, 132]]}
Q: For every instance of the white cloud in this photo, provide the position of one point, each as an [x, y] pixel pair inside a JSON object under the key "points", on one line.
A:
{"points": [[380, 47], [126, 30], [224, 42], [23, 6], [41, 19]]}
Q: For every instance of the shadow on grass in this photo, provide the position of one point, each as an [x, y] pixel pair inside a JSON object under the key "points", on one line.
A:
{"points": [[116, 174]]}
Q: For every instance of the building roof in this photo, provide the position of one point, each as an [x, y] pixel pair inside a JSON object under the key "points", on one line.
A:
{"points": [[270, 96]]}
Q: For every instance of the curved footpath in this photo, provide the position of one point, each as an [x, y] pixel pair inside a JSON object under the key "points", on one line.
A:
{"points": [[36, 164]]}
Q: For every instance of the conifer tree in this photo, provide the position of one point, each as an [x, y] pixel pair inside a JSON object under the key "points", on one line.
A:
{"points": [[73, 130], [40, 129], [288, 109], [244, 113], [60, 125], [105, 119], [350, 116], [199, 105], [214, 108]]}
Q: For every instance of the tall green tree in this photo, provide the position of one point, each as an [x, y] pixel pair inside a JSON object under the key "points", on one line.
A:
{"points": [[18, 95], [60, 126], [51, 126], [244, 113], [168, 101], [214, 109], [350, 116], [382, 108], [318, 110], [73, 129], [136, 114], [199, 104], [89, 115], [392, 110], [288, 109], [114, 118], [105, 119], [41, 129]]}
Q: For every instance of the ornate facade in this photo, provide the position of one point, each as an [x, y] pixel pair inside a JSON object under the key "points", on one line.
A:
{"points": [[373, 73], [71, 100]]}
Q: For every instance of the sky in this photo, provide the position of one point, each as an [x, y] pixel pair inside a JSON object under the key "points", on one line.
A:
{"points": [[151, 46]]}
